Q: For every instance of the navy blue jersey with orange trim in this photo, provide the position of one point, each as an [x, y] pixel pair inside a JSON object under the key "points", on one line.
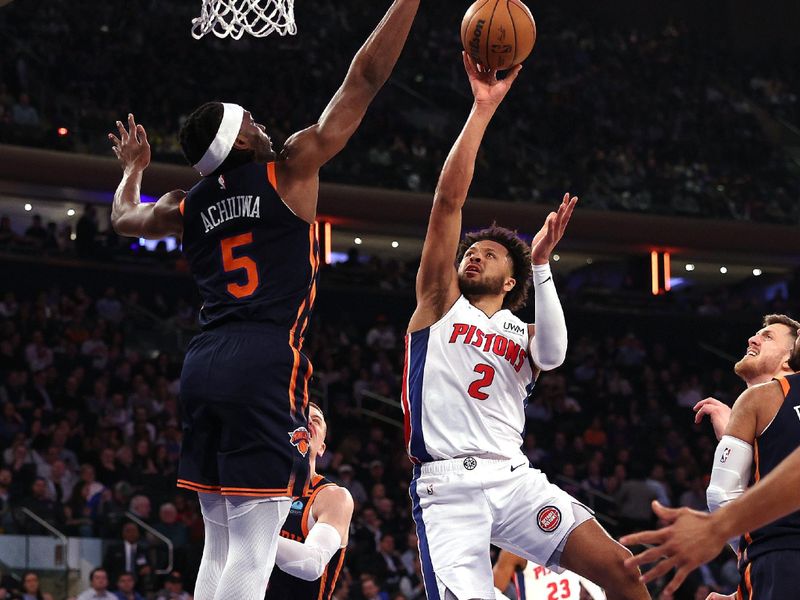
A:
{"points": [[779, 440], [252, 258], [286, 587]]}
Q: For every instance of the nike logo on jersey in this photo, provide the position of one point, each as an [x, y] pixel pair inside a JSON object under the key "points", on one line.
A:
{"points": [[490, 342], [517, 467], [546, 280]]}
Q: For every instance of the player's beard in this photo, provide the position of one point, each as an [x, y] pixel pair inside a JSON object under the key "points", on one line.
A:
{"points": [[486, 286], [751, 367]]}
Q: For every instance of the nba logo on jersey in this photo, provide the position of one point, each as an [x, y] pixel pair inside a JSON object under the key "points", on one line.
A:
{"points": [[221, 182]]}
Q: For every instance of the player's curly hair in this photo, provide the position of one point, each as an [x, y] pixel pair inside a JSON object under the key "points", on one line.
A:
{"points": [[794, 359], [520, 258], [198, 132]]}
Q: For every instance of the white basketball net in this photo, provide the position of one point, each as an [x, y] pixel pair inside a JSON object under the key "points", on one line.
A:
{"points": [[234, 18]]}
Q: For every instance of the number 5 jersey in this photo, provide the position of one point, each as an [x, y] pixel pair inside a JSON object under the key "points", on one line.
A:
{"points": [[253, 259]]}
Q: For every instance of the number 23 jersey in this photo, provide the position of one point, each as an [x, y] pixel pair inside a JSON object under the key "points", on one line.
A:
{"points": [[465, 382]]}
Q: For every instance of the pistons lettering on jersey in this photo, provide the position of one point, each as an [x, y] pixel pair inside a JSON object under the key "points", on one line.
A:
{"points": [[540, 571], [490, 342], [231, 208]]}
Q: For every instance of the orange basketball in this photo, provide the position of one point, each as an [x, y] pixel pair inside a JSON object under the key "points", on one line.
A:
{"points": [[498, 33]]}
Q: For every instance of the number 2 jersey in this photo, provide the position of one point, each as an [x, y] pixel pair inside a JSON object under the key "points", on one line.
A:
{"points": [[466, 379], [253, 259]]}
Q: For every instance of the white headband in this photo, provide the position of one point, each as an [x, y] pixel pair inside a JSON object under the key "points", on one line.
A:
{"points": [[223, 142]]}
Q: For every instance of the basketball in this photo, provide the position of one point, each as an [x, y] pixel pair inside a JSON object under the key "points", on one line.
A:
{"points": [[498, 34]]}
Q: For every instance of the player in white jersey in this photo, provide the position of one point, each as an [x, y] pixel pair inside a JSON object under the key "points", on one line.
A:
{"points": [[470, 365], [530, 581]]}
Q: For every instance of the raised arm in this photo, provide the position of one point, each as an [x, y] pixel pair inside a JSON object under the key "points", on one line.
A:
{"points": [[548, 339], [307, 150], [129, 216], [437, 281]]}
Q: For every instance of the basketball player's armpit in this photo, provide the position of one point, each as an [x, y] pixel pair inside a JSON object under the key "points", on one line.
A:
{"points": [[308, 560]]}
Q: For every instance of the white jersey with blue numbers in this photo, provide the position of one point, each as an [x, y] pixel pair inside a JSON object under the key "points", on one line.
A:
{"points": [[465, 382]]}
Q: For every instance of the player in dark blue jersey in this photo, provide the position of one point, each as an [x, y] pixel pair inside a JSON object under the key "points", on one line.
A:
{"points": [[248, 232], [761, 430], [314, 537]]}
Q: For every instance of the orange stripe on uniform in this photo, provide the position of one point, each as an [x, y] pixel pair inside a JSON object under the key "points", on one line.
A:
{"points": [[293, 335], [335, 575], [748, 583], [785, 386], [271, 176], [198, 487], [756, 476], [309, 504], [182, 206], [314, 259]]}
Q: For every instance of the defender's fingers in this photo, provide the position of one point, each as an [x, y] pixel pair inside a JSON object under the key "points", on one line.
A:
{"points": [[661, 569]]}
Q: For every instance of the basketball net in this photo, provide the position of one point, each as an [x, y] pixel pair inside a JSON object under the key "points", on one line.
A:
{"points": [[234, 18]]}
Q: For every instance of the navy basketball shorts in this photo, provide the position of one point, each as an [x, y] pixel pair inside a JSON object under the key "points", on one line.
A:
{"points": [[770, 576], [244, 396]]}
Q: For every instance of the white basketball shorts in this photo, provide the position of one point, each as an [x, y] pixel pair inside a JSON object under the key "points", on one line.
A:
{"points": [[462, 505]]}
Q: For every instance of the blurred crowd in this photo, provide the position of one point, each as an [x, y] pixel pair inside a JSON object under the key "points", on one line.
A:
{"points": [[90, 433], [665, 121]]}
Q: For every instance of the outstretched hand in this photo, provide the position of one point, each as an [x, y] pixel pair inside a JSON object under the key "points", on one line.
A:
{"points": [[718, 412], [131, 147], [486, 87], [688, 540], [552, 231]]}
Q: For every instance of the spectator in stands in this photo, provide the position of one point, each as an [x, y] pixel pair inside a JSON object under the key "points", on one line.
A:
{"points": [[126, 587], [170, 527], [634, 497], [43, 507], [129, 555], [98, 580], [381, 336], [86, 233], [36, 234], [109, 307], [23, 113], [30, 588], [356, 488], [370, 590], [60, 482], [173, 589], [6, 500], [37, 353]]}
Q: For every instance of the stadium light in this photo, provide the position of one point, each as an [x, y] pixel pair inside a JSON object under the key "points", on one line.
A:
{"points": [[689, 267], [358, 241], [395, 244], [723, 270], [757, 271], [28, 207]]}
